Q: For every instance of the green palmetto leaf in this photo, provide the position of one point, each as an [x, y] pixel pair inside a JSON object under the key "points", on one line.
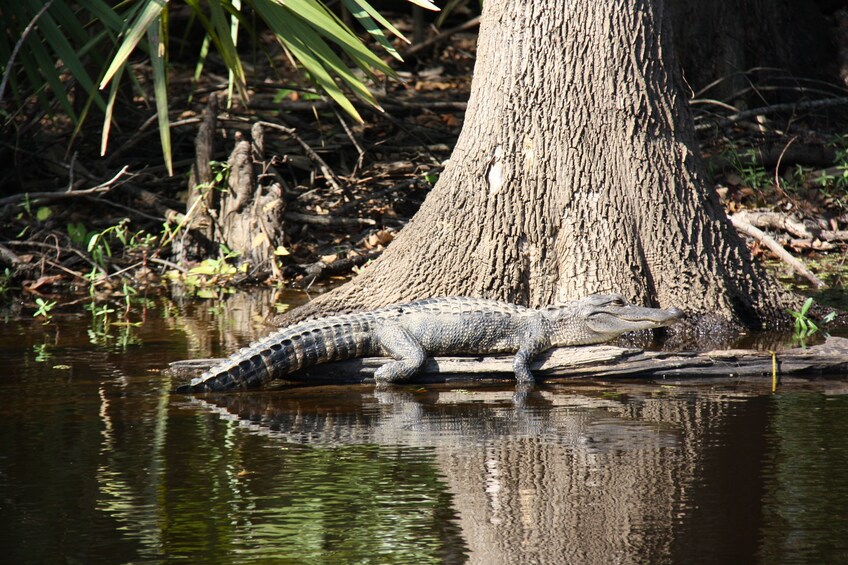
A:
{"points": [[310, 62], [160, 87], [110, 107], [223, 36], [365, 15], [426, 4], [331, 61], [40, 70], [136, 27], [327, 25], [51, 77], [73, 33]]}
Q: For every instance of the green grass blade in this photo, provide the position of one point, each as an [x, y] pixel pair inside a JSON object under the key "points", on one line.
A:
{"points": [[156, 45], [371, 27], [426, 4], [68, 54], [147, 13], [110, 107], [313, 66]]}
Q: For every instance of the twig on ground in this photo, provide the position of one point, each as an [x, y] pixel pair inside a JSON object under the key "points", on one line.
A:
{"points": [[167, 263], [353, 140], [377, 194], [777, 172], [38, 197], [134, 211], [775, 109], [746, 228], [59, 249], [470, 24], [316, 220], [331, 177]]}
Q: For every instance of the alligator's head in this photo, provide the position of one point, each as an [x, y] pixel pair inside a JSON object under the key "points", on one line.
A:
{"points": [[602, 317]]}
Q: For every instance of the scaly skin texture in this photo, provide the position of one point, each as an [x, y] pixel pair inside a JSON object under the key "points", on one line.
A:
{"points": [[409, 333]]}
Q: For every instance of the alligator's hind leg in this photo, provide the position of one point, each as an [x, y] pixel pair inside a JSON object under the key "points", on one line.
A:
{"points": [[397, 342]]}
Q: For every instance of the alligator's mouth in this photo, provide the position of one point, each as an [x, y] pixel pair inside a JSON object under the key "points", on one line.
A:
{"points": [[629, 319]]}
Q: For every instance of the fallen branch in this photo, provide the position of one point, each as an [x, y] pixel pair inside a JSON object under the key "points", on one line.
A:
{"points": [[746, 228], [776, 221], [41, 197], [321, 270], [8, 256], [329, 175], [317, 220], [591, 362], [470, 24], [775, 109]]}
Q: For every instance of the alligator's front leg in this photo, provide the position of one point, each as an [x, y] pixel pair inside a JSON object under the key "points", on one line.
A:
{"points": [[521, 366], [535, 340], [397, 342]]}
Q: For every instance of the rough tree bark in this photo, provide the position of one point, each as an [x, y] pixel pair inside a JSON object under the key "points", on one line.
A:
{"points": [[251, 211], [576, 172], [200, 201]]}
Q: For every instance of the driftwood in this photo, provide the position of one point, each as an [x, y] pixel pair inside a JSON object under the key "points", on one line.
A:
{"points": [[593, 362]]}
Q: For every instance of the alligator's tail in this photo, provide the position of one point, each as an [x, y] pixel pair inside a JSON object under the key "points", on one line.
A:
{"points": [[283, 352]]}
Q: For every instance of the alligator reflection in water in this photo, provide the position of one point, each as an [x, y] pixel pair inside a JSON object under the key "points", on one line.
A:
{"points": [[568, 478]]}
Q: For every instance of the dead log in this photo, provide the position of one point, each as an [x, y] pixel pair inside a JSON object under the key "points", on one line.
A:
{"points": [[592, 362]]}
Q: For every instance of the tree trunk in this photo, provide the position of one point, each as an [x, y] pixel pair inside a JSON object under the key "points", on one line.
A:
{"points": [[576, 172]]}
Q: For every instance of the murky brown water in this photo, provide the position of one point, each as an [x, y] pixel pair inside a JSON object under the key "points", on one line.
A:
{"points": [[99, 464]]}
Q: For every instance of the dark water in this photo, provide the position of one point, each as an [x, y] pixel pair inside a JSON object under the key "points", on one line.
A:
{"points": [[98, 464]]}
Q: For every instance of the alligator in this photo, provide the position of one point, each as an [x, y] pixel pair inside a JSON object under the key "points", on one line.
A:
{"points": [[437, 326]]}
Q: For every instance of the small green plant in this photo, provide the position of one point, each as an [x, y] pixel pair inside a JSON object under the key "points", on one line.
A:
{"points": [[6, 281], [219, 267], [44, 308], [78, 234], [99, 246], [754, 175], [804, 325]]}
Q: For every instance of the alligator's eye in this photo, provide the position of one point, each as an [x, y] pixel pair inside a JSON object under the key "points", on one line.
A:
{"points": [[618, 301]]}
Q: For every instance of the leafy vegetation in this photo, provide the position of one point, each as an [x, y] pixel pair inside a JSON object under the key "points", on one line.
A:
{"points": [[68, 53], [44, 308], [806, 326]]}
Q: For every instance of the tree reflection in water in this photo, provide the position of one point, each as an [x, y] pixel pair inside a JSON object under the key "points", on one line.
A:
{"points": [[570, 477]]}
